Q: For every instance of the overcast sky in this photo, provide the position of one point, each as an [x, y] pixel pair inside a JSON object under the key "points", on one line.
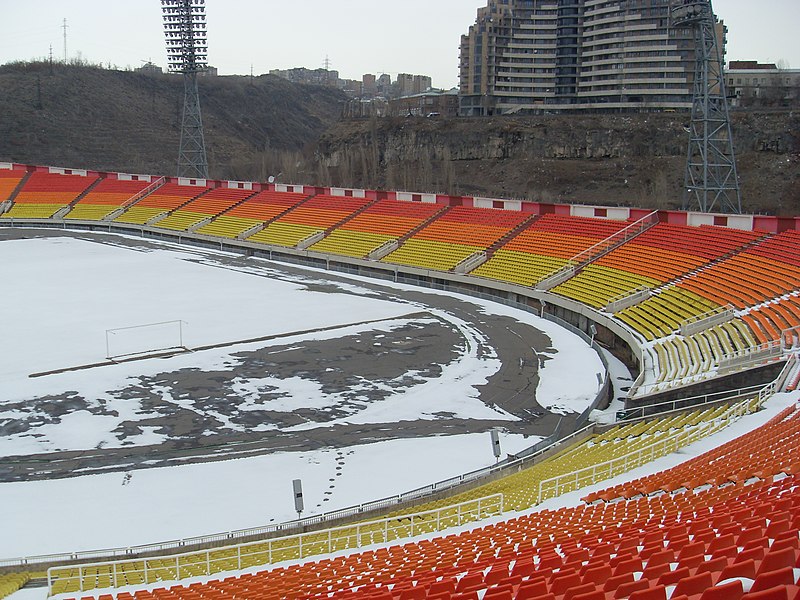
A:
{"points": [[357, 36]]}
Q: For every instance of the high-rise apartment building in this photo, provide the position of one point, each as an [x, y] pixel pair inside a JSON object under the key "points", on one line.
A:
{"points": [[537, 55]]}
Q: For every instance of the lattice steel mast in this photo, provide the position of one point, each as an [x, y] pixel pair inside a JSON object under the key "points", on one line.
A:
{"points": [[185, 32], [711, 184]]}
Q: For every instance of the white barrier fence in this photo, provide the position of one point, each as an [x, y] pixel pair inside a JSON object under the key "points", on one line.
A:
{"points": [[115, 574]]}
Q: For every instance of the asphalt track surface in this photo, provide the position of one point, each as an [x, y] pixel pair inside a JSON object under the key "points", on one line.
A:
{"points": [[341, 365]]}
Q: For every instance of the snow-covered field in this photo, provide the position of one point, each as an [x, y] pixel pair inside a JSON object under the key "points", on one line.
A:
{"points": [[67, 292]]}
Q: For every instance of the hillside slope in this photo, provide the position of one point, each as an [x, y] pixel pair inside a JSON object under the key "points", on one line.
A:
{"points": [[122, 121], [119, 120]]}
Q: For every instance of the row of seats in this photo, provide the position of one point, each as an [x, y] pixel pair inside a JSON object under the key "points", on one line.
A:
{"points": [[9, 180], [659, 255], [780, 248], [429, 254], [12, 582], [723, 526], [168, 197], [597, 285], [253, 212], [546, 245], [706, 242], [44, 194], [106, 197], [683, 360], [663, 313], [744, 280], [203, 208], [775, 450], [454, 236], [316, 215], [380, 223], [776, 320], [521, 490]]}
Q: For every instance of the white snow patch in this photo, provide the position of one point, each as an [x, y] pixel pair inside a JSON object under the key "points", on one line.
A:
{"points": [[204, 498]]}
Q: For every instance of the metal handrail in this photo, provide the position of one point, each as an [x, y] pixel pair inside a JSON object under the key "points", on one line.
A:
{"points": [[296, 546]]}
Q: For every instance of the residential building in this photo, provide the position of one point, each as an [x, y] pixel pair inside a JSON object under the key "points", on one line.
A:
{"points": [[567, 55], [750, 83], [369, 85], [407, 85], [432, 103]]}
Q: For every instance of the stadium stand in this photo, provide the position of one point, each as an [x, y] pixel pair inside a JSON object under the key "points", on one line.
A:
{"points": [[204, 208], [315, 216], [12, 582], [253, 212], [454, 236], [600, 457], [385, 221], [106, 197], [47, 193], [545, 246], [682, 359], [167, 198], [657, 256], [722, 525]]}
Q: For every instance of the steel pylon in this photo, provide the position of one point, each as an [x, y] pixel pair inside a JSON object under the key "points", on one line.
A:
{"points": [[711, 181], [192, 161]]}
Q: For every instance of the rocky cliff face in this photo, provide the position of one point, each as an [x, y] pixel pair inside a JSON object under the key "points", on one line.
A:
{"points": [[634, 160]]}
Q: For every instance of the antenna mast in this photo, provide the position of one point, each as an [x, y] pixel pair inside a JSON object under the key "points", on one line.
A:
{"points": [[64, 26], [185, 31]]}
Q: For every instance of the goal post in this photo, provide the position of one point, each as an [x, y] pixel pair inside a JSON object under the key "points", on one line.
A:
{"points": [[142, 340]]}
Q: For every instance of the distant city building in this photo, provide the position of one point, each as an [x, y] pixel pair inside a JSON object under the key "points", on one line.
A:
{"points": [[432, 103], [536, 55], [310, 76], [369, 85], [385, 85], [209, 71], [407, 84], [750, 83]]}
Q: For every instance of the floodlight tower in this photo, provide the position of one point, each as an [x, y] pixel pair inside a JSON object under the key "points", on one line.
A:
{"points": [[185, 32], [711, 183]]}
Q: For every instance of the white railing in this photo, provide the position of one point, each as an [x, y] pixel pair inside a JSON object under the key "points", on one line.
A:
{"points": [[623, 235], [706, 320], [114, 574], [628, 299], [145, 192], [522, 459], [700, 401], [555, 486]]}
